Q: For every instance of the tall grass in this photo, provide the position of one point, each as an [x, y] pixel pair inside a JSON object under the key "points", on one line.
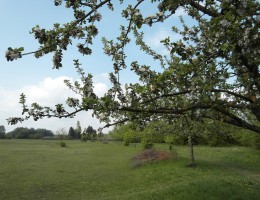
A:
{"points": [[39, 169]]}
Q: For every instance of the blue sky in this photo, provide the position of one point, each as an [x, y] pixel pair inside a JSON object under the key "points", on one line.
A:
{"points": [[37, 79]]}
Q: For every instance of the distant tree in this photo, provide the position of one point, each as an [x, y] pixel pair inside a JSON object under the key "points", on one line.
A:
{"points": [[126, 133], [91, 133], [44, 132], [62, 133], [2, 129], [72, 133], [20, 133], [84, 136], [28, 133], [78, 131], [100, 134], [2, 132]]}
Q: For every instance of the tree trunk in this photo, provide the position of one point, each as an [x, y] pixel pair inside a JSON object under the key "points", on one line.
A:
{"points": [[192, 160]]}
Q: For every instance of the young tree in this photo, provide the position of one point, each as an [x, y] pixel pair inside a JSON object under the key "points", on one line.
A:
{"points": [[212, 72], [62, 133]]}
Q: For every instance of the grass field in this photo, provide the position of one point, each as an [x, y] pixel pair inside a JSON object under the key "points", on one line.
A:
{"points": [[41, 169]]}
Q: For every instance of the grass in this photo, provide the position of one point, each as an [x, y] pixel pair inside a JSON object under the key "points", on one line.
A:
{"points": [[41, 169]]}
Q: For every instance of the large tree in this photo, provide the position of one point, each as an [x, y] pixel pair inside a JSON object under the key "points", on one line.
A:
{"points": [[211, 72]]}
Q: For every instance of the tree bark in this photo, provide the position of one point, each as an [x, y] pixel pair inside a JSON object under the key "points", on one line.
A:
{"points": [[192, 158]]}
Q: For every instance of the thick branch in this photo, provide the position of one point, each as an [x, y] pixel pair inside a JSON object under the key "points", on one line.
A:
{"points": [[166, 110], [234, 120], [204, 9]]}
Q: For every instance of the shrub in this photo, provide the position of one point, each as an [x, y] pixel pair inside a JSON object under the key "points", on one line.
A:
{"points": [[126, 143], [62, 144], [148, 145]]}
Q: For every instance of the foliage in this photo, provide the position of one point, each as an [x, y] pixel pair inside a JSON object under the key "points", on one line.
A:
{"points": [[72, 133], [84, 137], [208, 132], [2, 132], [91, 133], [147, 144], [2, 129], [212, 72], [26, 133], [126, 133], [126, 142], [78, 131]]}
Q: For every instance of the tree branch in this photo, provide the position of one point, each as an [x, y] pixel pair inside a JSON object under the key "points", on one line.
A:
{"points": [[234, 120], [204, 9]]}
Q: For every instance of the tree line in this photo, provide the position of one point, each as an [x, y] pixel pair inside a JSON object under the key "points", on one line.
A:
{"points": [[25, 133], [88, 133], [212, 133]]}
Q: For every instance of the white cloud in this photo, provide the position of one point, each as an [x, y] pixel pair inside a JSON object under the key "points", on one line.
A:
{"points": [[154, 40], [48, 92], [100, 89], [180, 12]]}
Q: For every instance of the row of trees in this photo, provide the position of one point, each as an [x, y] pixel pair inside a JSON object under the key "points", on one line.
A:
{"points": [[25, 133], [206, 133], [88, 133]]}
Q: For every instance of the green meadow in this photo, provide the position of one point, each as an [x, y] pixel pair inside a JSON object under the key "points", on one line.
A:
{"points": [[42, 169]]}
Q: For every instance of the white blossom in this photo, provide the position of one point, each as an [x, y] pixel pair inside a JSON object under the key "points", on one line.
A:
{"points": [[142, 69], [225, 23]]}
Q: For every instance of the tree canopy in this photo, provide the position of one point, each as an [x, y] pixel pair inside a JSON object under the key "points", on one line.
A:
{"points": [[212, 72], [29, 133]]}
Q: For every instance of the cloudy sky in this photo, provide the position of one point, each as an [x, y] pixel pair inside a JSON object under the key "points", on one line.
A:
{"points": [[36, 78]]}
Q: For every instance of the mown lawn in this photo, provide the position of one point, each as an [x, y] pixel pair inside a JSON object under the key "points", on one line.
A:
{"points": [[41, 169]]}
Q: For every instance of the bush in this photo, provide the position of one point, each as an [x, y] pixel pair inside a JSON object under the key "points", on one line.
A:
{"points": [[126, 143], [62, 144], [148, 145]]}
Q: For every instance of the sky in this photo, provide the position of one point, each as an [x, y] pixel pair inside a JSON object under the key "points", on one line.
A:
{"points": [[39, 81]]}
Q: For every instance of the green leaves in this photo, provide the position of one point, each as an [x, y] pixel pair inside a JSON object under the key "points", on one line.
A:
{"points": [[13, 54], [224, 47]]}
